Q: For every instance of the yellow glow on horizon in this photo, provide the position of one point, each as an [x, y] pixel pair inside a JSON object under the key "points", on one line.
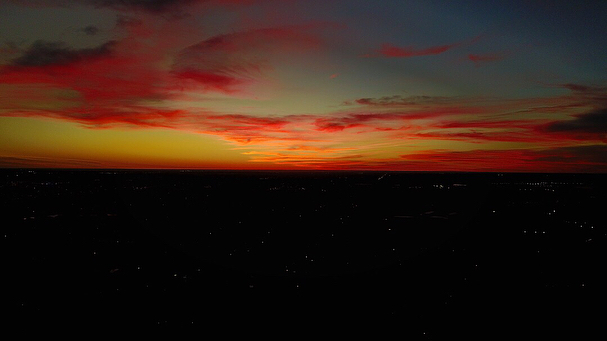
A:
{"points": [[116, 147]]}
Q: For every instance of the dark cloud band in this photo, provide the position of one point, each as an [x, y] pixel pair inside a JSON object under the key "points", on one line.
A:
{"points": [[44, 53], [594, 122]]}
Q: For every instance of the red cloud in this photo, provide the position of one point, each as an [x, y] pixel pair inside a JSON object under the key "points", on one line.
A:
{"points": [[117, 83], [123, 71], [560, 159], [485, 130], [473, 160], [101, 80], [490, 57], [480, 59], [354, 120], [228, 61], [392, 51], [389, 50], [211, 81]]}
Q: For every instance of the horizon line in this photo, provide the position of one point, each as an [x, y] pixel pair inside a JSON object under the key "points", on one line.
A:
{"points": [[290, 170]]}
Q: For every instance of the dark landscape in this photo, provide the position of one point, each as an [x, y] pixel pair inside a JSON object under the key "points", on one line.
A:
{"points": [[433, 254]]}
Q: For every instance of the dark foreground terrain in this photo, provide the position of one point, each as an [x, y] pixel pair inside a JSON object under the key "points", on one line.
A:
{"points": [[430, 255]]}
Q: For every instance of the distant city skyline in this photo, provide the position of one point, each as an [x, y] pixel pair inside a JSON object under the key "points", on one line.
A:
{"points": [[498, 86]]}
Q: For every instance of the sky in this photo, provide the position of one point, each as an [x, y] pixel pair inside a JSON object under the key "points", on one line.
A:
{"points": [[500, 86]]}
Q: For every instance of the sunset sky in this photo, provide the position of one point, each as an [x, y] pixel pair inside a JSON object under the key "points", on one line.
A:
{"points": [[317, 84]]}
